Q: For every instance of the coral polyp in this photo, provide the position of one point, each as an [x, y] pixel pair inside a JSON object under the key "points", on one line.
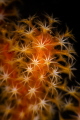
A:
{"points": [[36, 66]]}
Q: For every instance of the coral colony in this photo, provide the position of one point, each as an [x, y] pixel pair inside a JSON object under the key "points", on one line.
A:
{"points": [[36, 66]]}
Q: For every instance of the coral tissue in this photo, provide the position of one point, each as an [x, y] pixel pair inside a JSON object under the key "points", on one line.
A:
{"points": [[36, 66]]}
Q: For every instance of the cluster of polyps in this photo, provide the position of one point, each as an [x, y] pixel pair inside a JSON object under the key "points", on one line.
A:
{"points": [[35, 67]]}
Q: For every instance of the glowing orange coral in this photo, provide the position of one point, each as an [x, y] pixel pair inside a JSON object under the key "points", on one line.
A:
{"points": [[34, 63]]}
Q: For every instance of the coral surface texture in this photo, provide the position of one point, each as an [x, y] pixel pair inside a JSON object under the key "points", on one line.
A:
{"points": [[36, 68]]}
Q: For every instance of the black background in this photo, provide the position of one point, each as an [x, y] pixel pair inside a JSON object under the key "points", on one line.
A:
{"points": [[68, 12]]}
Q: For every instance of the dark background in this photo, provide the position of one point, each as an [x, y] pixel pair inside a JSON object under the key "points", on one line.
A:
{"points": [[68, 12]]}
